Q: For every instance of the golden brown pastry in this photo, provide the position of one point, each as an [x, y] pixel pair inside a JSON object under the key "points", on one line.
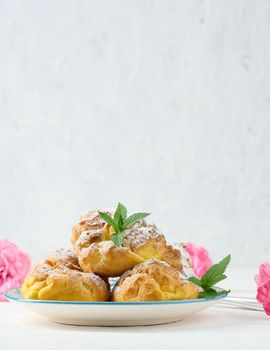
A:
{"points": [[153, 280], [60, 278], [89, 221], [63, 257], [103, 257], [98, 254]]}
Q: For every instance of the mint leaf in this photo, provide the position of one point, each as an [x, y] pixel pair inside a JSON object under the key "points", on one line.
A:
{"points": [[212, 276], [121, 213], [117, 238], [208, 293], [216, 273], [212, 293], [120, 222], [132, 219], [195, 280], [117, 213], [223, 292], [214, 280], [109, 220]]}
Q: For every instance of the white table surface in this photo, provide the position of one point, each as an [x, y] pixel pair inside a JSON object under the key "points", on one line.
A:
{"points": [[216, 328]]}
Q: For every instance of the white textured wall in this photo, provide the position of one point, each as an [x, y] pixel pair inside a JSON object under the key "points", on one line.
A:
{"points": [[163, 105]]}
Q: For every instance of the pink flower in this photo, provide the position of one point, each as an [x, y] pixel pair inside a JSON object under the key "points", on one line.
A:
{"points": [[14, 266], [263, 283], [264, 274], [201, 261]]}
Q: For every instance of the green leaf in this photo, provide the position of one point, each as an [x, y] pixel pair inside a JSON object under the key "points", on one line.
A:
{"points": [[120, 214], [208, 293], [223, 292], [109, 220], [212, 276], [117, 213], [214, 280], [120, 222], [123, 211], [117, 238], [212, 293], [132, 219], [195, 280], [216, 273]]}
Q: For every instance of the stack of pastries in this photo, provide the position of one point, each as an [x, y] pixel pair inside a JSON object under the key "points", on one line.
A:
{"points": [[149, 269]]}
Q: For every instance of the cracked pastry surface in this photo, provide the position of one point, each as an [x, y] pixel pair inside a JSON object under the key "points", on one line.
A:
{"points": [[153, 280], [63, 257], [97, 253], [88, 221], [60, 277]]}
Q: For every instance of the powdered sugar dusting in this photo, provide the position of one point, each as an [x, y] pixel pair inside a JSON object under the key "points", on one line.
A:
{"points": [[44, 270], [187, 270], [92, 219], [62, 255], [155, 262], [88, 237], [140, 233]]}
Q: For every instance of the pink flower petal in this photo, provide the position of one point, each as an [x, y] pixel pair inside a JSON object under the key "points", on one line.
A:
{"points": [[263, 286], [201, 261], [14, 266], [3, 298], [263, 275]]}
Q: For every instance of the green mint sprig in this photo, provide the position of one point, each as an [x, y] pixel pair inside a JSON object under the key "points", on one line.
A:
{"points": [[120, 222], [212, 276]]}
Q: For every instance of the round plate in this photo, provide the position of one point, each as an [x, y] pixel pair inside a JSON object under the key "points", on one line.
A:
{"points": [[113, 313]]}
